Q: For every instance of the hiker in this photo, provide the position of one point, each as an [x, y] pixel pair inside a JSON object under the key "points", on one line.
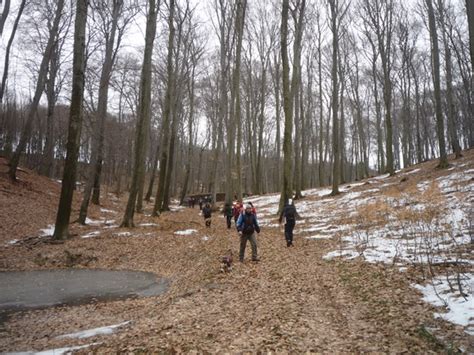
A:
{"points": [[238, 206], [290, 214], [247, 225], [207, 212], [254, 210], [228, 212], [200, 203]]}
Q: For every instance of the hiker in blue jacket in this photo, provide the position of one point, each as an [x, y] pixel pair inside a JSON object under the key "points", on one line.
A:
{"points": [[290, 214], [247, 225]]}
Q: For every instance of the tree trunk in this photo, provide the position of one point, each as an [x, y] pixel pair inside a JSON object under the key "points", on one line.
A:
{"points": [[61, 229], [143, 119], [451, 119], [167, 115], [286, 192], [48, 153], [335, 100], [443, 159], [95, 168]]}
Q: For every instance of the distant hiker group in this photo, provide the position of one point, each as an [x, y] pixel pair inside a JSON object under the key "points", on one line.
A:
{"points": [[246, 222]]}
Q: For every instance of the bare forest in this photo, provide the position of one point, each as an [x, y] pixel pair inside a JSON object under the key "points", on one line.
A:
{"points": [[139, 107], [237, 97]]}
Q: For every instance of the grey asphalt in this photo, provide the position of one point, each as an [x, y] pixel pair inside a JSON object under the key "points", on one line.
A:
{"points": [[22, 290]]}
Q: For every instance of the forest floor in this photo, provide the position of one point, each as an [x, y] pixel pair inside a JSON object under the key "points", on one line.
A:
{"points": [[294, 300]]}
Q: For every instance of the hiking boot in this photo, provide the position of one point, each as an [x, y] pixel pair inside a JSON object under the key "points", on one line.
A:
{"points": [[257, 259], [288, 243]]}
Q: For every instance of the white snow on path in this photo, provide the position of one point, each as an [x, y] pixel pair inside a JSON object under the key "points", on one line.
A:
{"points": [[95, 331], [186, 232], [106, 210], [123, 234], [47, 231], [91, 234], [94, 222], [59, 351], [320, 236]]}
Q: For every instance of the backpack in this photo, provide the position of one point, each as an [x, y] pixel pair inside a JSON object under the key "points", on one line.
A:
{"points": [[206, 212], [290, 212], [248, 226]]}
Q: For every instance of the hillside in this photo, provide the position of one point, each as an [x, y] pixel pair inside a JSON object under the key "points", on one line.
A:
{"points": [[358, 279]]}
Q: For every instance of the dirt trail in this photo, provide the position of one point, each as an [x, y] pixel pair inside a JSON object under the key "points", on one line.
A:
{"points": [[291, 301]]}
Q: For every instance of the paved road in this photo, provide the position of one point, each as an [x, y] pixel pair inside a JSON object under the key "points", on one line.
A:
{"points": [[20, 290]]}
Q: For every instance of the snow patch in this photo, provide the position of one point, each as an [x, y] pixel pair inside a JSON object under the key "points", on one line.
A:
{"points": [[123, 234], [47, 231], [91, 234], [93, 222], [59, 351], [93, 332], [319, 236], [348, 254], [445, 293], [105, 210], [186, 232]]}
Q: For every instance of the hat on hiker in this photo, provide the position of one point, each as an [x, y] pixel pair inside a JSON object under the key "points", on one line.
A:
{"points": [[248, 206]]}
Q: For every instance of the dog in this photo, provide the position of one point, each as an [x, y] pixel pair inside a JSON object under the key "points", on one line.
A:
{"points": [[227, 262]]}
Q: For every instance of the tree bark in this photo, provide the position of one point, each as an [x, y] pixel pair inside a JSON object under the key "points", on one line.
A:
{"points": [[443, 159], [451, 109], [167, 115], [61, 229], [95, 168], [335, 99], [287, 191], [143, 119]]}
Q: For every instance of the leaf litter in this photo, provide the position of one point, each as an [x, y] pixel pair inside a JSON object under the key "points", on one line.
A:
{"points": [[292, 300]]}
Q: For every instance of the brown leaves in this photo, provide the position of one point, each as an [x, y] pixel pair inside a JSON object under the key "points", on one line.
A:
{"points": [[291, 301]]}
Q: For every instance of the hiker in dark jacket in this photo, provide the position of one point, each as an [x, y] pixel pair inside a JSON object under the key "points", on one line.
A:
{"points": [[290, 214], [247, 225], [228, 214], [207, 212]]}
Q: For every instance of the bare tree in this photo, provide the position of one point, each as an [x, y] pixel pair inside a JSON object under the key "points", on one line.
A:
{"points": [[443, 159], [287, 190], [337, 13], [8, 48], [110, 26], [61, 229], [143, 119], [53, 33], [167, 115], [451, 109], [378, 15], [298, 18], [4, 15]]}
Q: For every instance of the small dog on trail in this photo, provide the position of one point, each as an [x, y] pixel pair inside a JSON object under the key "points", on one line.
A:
{"points": [[227, 262]]}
